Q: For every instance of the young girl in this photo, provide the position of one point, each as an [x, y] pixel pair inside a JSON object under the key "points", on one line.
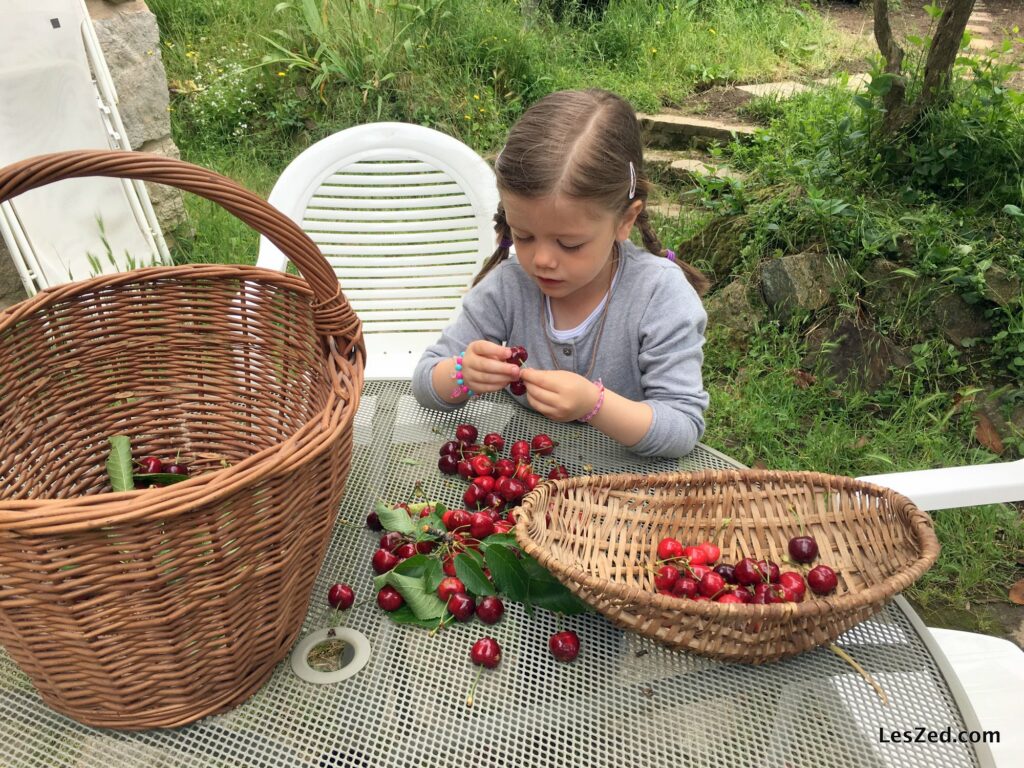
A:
{"points": [[614, 333]]}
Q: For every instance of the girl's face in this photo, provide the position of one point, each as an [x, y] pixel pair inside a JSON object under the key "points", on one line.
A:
{"points": [[566, 244]]}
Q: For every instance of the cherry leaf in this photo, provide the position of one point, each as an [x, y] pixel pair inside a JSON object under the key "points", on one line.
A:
{"points": [[472, 575], [433, 574], [508, 574], [119, 463], [404, 615], [395, 519], [421, 600], [161, 478]]}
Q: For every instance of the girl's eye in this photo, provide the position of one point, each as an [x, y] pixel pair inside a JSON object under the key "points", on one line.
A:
{"points": [[571, 247], [521, 238]]}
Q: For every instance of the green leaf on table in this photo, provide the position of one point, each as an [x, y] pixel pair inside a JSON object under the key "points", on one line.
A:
{"points": [[431, 521], [416, 566], [472, 575], [504, 540], [394, 518], [404, 615], [119, 463], [548, 592], [508, 574], [433, 574], [421, 600]]}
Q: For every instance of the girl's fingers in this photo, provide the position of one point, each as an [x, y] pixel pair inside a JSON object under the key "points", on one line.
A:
{"points": [[488, 349]]}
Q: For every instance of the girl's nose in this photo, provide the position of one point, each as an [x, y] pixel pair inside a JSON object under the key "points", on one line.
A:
{"points": [[544, 257]]}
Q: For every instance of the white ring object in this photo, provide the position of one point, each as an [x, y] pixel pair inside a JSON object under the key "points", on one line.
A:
{"points": [[356, 641]]}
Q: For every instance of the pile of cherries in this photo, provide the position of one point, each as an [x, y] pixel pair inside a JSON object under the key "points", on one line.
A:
{"points": [[691, 572], [495, 482], [151, 470]]}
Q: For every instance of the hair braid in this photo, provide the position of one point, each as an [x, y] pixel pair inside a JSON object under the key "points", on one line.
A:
{"points": [[504, 236], [697, 279]]}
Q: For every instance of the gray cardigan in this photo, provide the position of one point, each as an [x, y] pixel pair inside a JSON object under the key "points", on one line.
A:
{"points": [[650, 350]]}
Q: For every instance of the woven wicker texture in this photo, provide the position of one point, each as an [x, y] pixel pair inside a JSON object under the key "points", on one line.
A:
{"points": [[599, 536], [155, 607]]}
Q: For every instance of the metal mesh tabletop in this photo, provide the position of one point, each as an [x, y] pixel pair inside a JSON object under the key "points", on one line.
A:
{"points": [[624, 703]]}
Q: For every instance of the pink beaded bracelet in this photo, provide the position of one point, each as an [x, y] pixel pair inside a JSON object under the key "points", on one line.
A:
{"points": [[461, 388], [597, 405]]}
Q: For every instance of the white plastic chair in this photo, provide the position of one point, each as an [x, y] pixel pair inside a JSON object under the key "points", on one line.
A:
{"points": [[56, 94], [404, 215], [990, 670]]}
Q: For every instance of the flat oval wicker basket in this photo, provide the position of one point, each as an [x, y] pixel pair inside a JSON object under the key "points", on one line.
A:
{"points": [[155, 607], [599, 535]]}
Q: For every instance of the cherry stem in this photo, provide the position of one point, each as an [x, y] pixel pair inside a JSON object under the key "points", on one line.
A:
{"points": [[721, 527], [860, 670], [799, 520], [472, 688]]}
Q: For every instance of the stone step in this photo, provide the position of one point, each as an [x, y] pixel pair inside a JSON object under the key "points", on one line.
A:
{"points": [[981, 30], [670, 131], [855, 82], [688, 168], [780, 90], [981, 44], [982, 17]]}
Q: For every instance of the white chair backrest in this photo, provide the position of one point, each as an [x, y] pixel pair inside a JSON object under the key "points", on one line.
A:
{"points": [[56, 94], [404, 215]]}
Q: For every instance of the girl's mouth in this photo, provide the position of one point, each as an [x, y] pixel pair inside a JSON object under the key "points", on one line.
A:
{"points": [[549, 283]]}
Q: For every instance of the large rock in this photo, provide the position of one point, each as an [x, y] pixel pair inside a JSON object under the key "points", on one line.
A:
{"points": [[854, 355], [11, 289], [801, 282], [959, 321], [717, 247], [735, 307], [901, 298], [130, 40], [1002, 287], [167, 201]]}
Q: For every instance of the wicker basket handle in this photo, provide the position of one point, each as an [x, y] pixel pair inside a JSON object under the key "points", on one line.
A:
{"points": [[333, 315]]}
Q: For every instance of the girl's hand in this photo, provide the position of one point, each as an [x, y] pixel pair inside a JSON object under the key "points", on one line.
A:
{"points": [[559, 395], [484, 366]]}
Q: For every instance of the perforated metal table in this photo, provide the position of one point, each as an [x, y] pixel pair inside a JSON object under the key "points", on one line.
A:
{"points": [[624, 703]]}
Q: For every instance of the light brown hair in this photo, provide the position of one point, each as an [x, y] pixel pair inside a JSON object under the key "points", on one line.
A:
{"points": [[580, 144]]}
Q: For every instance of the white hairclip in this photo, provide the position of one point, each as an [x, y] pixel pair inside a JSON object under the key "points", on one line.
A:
{"points": [[632, 180]]}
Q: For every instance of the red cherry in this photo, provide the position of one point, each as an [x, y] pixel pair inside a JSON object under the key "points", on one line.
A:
{"points": [[504, 467], [448, 464], [669, 549], [711, 584], [449, 586], [452, 448], [448, 565], [405, 551], [747, 572], [464, 469], [485, 483], [822, 580], [565, 645], [542, 444], [495, 441], [504, 526], [711, 552], [685, 587], [373, 522], [471, 497], [176, 469], [794, 582], [465, 434], [490, 610], [390, 599], [727, 572], [744, 594], [461, 606], [558, 473], [391, 540], [517, 387], [728, 597], [519, 451], [481, 526], [486, 652], [151, 465], [531, 481], [695, 555], [513, 489], [770, 569], [522, 471], [803, 549], [460, 519], [481, 465], [384, 561], [425, 546], [666, 577], [341, 596], [698, 571]]}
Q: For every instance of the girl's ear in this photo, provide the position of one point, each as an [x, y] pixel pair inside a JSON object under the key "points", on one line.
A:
{"points": [[628, 220]]}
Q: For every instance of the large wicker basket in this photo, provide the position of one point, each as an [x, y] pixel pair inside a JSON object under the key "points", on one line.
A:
{"points": [[598, 535], [155, 607]]}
